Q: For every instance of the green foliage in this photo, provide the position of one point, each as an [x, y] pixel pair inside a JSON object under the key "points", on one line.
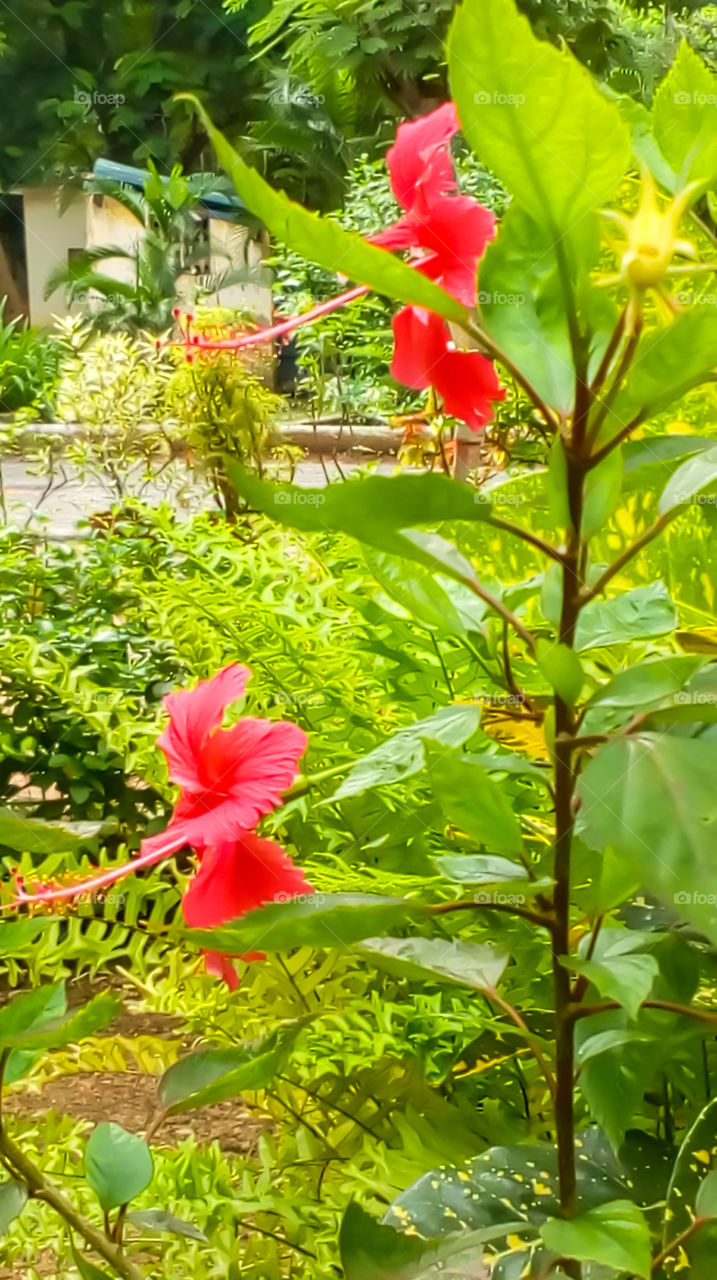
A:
{"points": [[28, 367]]}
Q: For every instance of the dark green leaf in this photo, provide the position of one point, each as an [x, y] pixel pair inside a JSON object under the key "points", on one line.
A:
{"points": [[13, 1198], [692, 478], [473, 801], [68, 1028], [653, 799], [635, 615], [118, 1165], [469, 964], [561, 667], [614, 1234], [31, 835], [328, 920], [216, 1074], [404, 754]]}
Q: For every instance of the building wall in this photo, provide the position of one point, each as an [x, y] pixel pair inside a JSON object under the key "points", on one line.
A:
{"points": [[49, 236]]}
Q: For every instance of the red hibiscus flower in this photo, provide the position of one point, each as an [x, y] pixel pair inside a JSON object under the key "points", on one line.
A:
{"points": [[228, 779], [448, 234]]}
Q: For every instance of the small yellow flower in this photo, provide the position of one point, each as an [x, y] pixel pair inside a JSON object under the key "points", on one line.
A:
{"points": [[651, 235]]}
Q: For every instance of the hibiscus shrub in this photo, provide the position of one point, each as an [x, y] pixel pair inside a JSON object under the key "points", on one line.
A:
{"points": [[526, 868]]}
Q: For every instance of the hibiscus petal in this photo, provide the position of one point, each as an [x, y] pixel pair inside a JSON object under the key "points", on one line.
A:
{"points": [[421, 339], [254, 761], [421, 152], [193, 713], [237, 877], [468, 383], [221, 967]]}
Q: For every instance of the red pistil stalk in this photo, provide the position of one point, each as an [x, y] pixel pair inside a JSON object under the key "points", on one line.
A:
{"points": [[198, 341]]}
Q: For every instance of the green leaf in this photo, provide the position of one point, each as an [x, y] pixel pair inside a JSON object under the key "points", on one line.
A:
{"points": [[440, 603], [522, 306], [17, 935], [691, 479], [533, 115], [653, 799], [160, 1220], [613, 1081], [13, 1198], [377, 511], [602, 490], [370, 509], [322, 240], [635, 615], [683, 118], [693, 1164], [556, 485], [479, 869], [503, 1185], [617, 972], [706, 1203], [32, 1011], [639, 688], [118, 1165], [323, 920], [614, 1234], [213, 1075], [31, 835], [68, 1028], [404, 754], [473, 801], [371, 1250], [87, 1269], [668, 362], [467, 964], [561, 667]]}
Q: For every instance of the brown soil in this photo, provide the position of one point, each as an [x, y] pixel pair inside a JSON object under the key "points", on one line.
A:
{"points": [[130, 1099]]}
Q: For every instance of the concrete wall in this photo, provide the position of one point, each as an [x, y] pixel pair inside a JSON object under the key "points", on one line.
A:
{"points": [[49, 235], [99, 220]]}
